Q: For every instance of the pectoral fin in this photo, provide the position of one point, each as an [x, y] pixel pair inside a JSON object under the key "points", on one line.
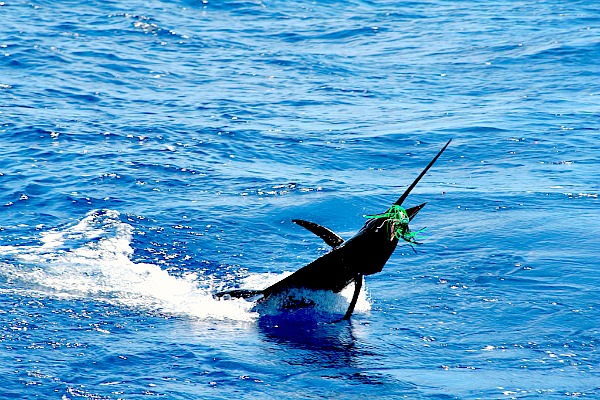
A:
{"points": [[357, 286]]}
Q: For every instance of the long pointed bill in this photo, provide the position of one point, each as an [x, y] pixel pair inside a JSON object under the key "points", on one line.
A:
{"points": [[411, 212], [412, 186]]}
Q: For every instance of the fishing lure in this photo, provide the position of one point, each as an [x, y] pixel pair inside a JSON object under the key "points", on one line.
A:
{"points": [[397, 222]]}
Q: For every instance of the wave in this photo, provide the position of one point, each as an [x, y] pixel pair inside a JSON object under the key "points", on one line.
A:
{"points": [[92, 259]]}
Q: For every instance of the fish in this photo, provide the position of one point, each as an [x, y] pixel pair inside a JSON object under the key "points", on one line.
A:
{"points": [[348, 261]]}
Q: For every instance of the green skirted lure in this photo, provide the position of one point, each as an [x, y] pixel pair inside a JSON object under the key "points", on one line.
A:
{"points": [[397, 219]]}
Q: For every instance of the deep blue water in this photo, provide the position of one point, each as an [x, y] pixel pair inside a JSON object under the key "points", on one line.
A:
{"points": [[154, 152]]}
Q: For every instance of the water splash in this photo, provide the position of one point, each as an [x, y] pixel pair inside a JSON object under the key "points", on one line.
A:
{"points": [[93, 259]]}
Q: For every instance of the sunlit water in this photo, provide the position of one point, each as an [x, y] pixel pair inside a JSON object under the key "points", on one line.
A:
{"points": [[153, 153]]}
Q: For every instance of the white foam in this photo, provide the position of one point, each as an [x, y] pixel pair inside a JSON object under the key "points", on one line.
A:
{"points": [[318, 300], [92, 259]]}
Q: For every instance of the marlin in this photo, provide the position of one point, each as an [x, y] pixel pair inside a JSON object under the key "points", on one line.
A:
{"points": [[348, 261]]}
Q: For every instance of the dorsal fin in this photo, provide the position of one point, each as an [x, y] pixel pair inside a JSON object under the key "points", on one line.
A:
{"points": [[328, 236]]}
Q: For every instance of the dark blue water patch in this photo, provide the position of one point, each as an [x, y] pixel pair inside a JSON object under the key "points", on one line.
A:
{"points": [[198, 243], [319, 333], [31, 58], [71, 93], [575, 56], [349, 35], [72, 336], [156, 169], [19, 133]]}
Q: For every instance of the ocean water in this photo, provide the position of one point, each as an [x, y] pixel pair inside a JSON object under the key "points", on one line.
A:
{"points": [[154, 152]]}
